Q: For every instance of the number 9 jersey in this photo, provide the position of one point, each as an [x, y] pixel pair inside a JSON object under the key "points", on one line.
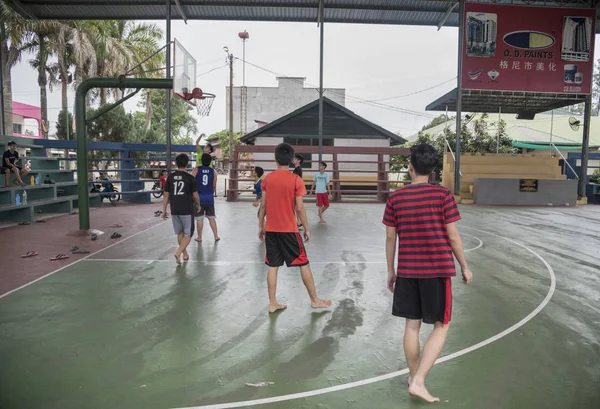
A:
{"points": [[205, 179]]}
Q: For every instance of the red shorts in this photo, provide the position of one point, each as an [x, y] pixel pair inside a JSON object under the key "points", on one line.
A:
{"points": [[322, 200]]}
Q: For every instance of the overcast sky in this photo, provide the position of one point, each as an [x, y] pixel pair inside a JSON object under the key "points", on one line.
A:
{"points": [[369, 61]]}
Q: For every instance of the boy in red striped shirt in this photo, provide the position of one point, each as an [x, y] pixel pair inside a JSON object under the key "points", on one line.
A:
{"points": [[423, 218]]}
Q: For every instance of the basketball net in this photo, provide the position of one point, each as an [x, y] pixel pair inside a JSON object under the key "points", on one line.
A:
{"points": [[201, 100]]}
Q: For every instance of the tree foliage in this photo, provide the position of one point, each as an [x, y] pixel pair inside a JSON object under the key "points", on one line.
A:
{"points": [[63, 125], [224, 141], [477, 138], [183, 123]]}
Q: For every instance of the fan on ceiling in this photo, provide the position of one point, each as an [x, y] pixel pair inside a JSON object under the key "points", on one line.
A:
{"points": [[574, 123]]}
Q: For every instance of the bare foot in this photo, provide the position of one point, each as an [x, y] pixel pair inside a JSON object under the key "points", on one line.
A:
{"points": [[418, 389], [177, 258], [322, 221], [319, 303], [276, 307], [186, 256]]}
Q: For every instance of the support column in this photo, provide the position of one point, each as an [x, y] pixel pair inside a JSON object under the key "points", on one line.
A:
{"points": [[2, 130], [461, 24], [321, 25], [168, 93], [585, 148]]}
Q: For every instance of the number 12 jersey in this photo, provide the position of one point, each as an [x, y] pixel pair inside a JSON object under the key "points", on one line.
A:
{"points": [[181, 187]]}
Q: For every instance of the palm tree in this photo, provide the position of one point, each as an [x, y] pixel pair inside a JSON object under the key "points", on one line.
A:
{"points": [[13, 36], [73, 48]]}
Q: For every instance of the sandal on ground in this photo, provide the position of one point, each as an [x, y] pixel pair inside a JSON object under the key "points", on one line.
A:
{"points": [[115, 235], [40, 221], [59, 257], [81, 251], [94, 236], [29, 254], [74, 248], [24, 224]]}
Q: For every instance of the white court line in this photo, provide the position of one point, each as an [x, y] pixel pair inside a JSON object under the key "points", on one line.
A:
{"points": [[81, 259], [225, 263], [480, 245], [404, 371]]}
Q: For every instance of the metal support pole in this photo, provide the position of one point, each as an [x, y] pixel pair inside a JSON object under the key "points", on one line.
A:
{"points": [[498, 131], [461, 23], [321, 20], [231, 114], [168, 93], [551, 132], [585, 148], [2, 122], [81, 131]]}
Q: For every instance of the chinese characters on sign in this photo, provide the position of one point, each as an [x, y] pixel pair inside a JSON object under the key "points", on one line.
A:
{"points": [[531, 49], [528, 66]]}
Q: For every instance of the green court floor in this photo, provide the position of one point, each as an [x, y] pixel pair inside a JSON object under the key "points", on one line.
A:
{"points": [[126, 328]]}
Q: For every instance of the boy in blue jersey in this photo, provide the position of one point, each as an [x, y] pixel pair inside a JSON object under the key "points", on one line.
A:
{"points": [[258, 178], [206, 179]]}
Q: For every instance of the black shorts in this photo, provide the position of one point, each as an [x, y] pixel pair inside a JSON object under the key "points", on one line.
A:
{"points": [[286, 247], [206, 210], [427, 299], [4, 169]]}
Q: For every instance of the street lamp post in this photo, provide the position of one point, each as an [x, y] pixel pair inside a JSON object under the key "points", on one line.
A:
{"points": [[230, 61]]}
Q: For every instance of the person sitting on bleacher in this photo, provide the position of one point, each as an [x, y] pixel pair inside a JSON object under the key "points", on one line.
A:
{"points": [[9, 164]]}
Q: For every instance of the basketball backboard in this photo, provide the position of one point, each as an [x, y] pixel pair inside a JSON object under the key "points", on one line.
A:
{"points": [[184, 71], [184, 81]]}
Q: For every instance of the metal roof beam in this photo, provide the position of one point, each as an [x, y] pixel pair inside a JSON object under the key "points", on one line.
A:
{"points": [[19, 8], [450, 10], [178, 5]]}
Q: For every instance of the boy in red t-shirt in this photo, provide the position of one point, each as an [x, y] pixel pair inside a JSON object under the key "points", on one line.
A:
{"points": [[162, 180], [422, 217], [282, 193]]}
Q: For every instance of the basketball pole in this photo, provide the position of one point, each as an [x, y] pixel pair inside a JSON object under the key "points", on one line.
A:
{"points": [[81, 123], [168, 92], [321, 18], [2, 117]]}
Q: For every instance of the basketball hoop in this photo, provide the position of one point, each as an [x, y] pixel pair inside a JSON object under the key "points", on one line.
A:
{"points": [[184, 80], [201, 100]]}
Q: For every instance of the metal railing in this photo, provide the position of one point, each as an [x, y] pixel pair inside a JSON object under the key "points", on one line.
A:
{"points": [[553, 146], [452, 153]]}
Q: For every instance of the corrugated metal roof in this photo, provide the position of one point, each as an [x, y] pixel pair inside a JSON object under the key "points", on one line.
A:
{"points": [[403, 12], [508, 101]]}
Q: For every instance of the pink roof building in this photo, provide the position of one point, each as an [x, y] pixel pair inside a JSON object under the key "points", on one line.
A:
{"points": [[21, 112]]}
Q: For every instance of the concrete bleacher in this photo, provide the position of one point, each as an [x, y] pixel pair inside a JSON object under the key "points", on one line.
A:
{"points": [[42, 199], [61, 196], [500, 166]]}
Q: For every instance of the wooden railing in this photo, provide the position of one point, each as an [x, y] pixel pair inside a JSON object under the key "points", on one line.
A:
{"points": [[349, 176]]}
